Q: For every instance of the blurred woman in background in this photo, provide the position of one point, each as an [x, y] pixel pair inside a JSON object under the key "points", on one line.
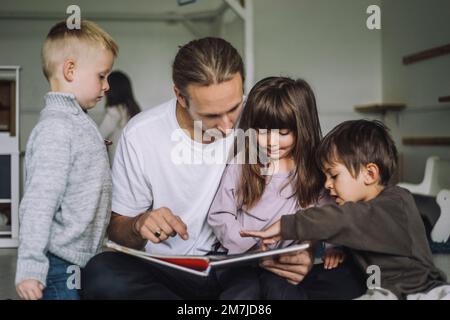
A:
{"points": [[120, 106]]}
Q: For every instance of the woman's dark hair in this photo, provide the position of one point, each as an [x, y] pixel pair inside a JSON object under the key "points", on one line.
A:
{"points": [[120, 92], [284, 103]]}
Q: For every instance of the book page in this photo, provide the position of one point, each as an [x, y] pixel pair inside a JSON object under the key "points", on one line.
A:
{"points": [[221, 260], [203, 263]]}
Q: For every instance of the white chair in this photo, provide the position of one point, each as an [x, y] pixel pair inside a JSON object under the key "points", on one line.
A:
{"points": [[436, 178], [441, 230]]}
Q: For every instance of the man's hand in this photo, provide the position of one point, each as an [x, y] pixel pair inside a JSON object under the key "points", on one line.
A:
{"points": [[160, 224], [293, 266], [30, 289], [269, 236]]}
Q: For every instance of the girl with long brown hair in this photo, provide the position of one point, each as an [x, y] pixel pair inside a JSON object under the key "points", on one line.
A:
{"points": [[282, 114], [281, 125]]}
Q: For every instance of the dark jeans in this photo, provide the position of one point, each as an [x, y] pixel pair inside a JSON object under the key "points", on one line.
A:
{"points": [[342, 283], [58, 275], [114, 275], [239, 283]]}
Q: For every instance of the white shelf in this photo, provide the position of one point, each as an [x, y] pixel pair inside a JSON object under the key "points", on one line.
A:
{"points": [[9, 146], [5, 230], [9, 243]]}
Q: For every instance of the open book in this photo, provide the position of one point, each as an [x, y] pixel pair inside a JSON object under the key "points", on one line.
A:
{"points": [[201, 265]]}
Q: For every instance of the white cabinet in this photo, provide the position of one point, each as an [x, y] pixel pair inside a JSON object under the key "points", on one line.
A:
{"points": [[9, 156]]}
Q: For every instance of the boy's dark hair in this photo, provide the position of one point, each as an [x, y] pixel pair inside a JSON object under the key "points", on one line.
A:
{"points": [[356, 143]]}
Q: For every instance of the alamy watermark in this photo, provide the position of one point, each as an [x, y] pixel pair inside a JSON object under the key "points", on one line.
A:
{"points": [[374, 20], [237, 147], [74, 20], [74, 280], [374, 280]]}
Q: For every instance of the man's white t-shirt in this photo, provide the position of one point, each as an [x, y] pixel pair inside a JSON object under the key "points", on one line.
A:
{"points": [[158, 165]]}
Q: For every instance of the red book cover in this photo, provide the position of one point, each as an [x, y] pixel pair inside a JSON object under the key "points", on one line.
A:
{"points": [[192, 263]]}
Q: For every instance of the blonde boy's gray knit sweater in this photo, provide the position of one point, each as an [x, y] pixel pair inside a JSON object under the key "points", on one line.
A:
{"points": [[66, 205]]}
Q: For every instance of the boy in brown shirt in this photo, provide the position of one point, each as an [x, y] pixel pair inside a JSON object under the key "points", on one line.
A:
{"points": [[380, 224]]}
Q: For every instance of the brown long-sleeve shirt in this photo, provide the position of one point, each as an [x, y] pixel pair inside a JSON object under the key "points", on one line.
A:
{"points": [[386, 231]]}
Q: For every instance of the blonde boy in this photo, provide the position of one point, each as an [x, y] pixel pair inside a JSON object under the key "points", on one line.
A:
{"points": [[66, 204]]}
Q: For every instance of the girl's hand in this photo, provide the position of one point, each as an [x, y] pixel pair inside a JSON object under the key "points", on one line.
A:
{"points": [[332, 258], [30, 289], [269, 236]]}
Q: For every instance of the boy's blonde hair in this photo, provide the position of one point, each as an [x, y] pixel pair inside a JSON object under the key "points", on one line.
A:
{"points": [[62, 43]]}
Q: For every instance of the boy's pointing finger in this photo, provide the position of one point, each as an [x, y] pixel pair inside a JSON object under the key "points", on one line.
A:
{"points": [[247, 233]]}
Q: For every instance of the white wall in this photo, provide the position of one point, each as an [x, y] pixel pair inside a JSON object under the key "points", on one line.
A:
{"points": [[411, 26], [325, 42], [328, 44], [146, 49], [146, 63]]}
